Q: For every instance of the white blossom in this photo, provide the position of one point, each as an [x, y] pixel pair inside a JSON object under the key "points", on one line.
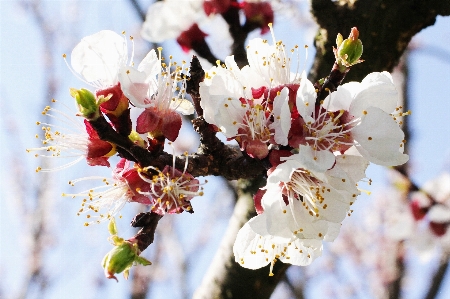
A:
{"points": [[363, 114]]}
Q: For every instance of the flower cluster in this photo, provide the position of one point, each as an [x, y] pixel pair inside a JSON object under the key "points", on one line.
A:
{"points": [[158, 88], [182, 20], [315, 151], [318, 151]]}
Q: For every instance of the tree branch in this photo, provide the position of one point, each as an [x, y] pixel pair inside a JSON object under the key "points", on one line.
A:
{"points": [[227, 279], [438, 278]]}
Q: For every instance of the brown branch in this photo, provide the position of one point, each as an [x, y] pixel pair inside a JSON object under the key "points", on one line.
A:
{"points": [[438, 278], [395, 287], [238, 34], [141, 280], [197, 75], [212, 158], [296, 290], [146, 235], [331, 83]]}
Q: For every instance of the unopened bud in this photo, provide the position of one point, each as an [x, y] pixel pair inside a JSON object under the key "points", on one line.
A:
{"points": [[119, 259], [87, 103], [122, 257], [349, 50]]}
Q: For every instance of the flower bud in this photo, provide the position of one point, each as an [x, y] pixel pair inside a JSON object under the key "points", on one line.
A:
{"points": [[124, 254], [119, 259], [349, 50], [87, 103]]}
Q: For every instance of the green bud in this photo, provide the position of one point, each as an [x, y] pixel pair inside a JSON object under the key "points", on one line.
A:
{"points": [[87, 103], [349, 50], [119, 259], [122, 256]]}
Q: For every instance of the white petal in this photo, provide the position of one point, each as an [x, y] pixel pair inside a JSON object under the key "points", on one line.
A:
{"points": [[335, 205], [233, 67], [439, 213], [251, 79], [99, 57], [253, 251], [150, 65], [283, 172], [379, 138], [275, 219], [354, 166], [220, 102], [315, 161], [306, 98], [341, 181], [282, 117], [134, 86], [342, 97], [245, 245], [302, 252], [309, 227], [183, 106], [377, 90]]}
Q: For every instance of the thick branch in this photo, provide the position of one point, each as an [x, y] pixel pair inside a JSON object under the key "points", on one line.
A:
{"points": [[438, 278], [386, 27], [226, 278], [213, 157]]}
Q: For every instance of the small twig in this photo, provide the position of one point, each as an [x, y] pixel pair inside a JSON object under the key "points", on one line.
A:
{"points": [[197, 75], [331, 83], [238, 34], [146, 235]]}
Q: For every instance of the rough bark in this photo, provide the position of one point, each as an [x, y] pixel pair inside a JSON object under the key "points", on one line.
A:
{"points": [[386, 27]]}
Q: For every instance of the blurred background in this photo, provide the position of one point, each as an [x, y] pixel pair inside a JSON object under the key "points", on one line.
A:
{"points": [[46, 252]]}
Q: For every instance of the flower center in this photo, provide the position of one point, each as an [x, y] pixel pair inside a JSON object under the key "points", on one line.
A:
{"points": [[171, 189], [305, 187], [255, 123], [329, 131]]}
